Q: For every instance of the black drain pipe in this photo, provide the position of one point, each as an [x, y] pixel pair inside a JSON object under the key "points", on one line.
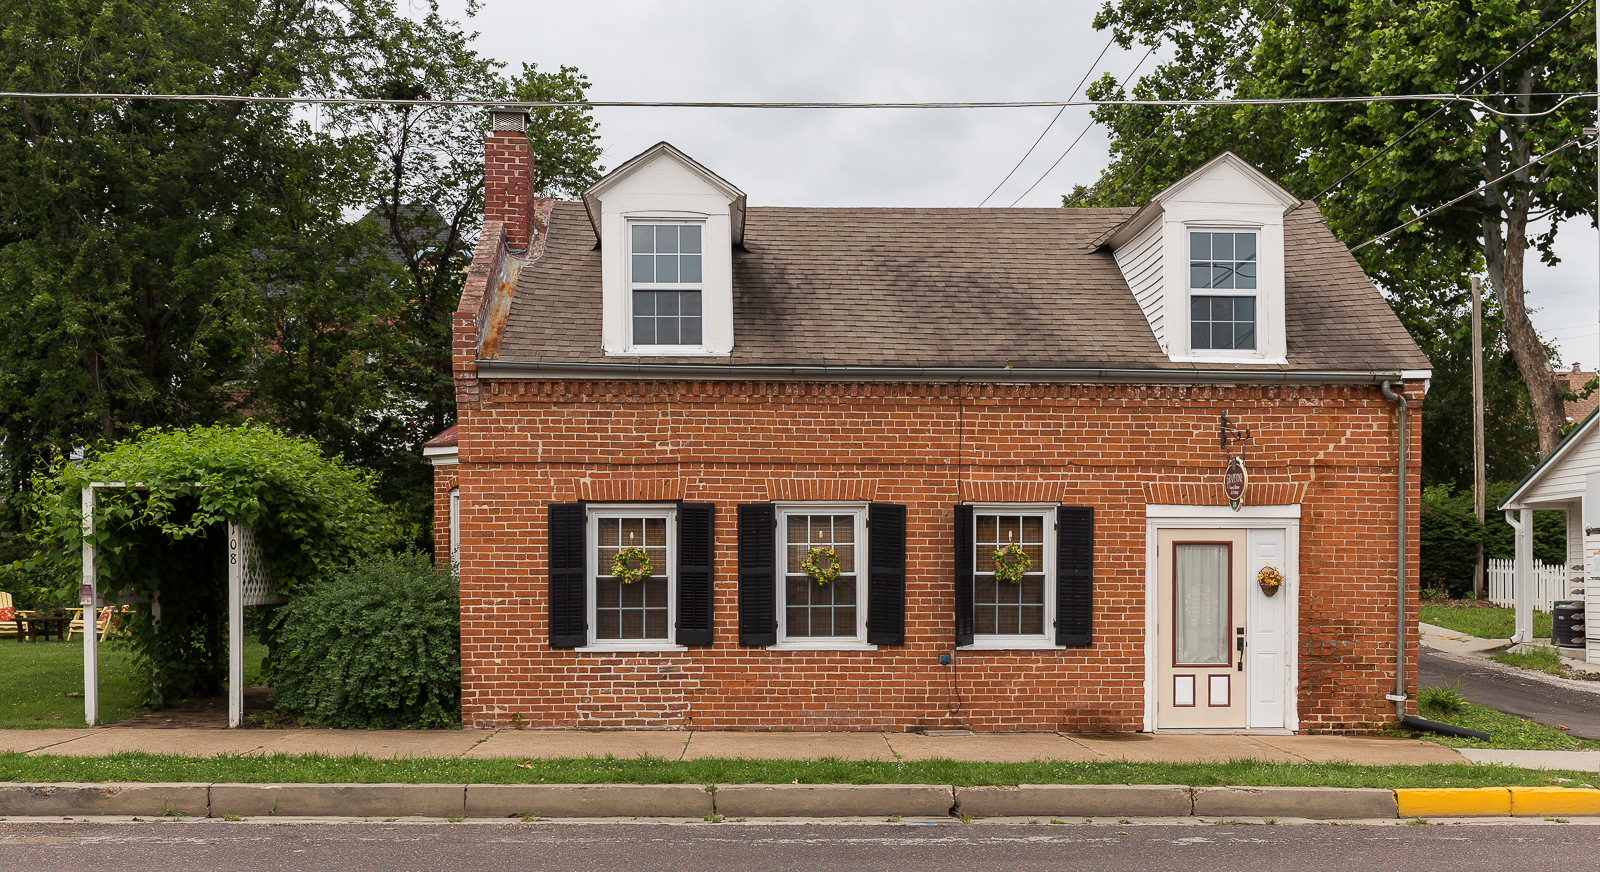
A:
{"points": [[1399, 696]]}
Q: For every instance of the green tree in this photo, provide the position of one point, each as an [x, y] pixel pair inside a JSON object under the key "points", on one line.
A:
{"points": [[425, 195], [1381, 163], [182, 262]]}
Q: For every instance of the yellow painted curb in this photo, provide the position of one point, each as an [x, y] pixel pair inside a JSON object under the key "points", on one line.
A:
{"points": [[1555, 801], [1453, 801]]}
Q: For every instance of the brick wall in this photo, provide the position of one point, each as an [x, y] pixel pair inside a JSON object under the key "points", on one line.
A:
{"points": [[525, 444]]}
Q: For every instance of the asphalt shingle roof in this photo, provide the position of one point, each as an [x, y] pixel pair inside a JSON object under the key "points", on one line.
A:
{"points": [[949, 288]]}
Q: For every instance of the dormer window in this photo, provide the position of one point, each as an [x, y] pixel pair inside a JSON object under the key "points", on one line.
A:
{"points": [[1205, 262], [665, 279], [1222, 261], [668, 228]]}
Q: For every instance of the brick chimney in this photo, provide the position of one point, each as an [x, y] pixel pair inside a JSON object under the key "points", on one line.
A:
{"points": [[1575, 368], [508, 175]]}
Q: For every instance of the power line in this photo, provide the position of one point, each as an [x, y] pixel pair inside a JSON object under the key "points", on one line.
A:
{"points": [[1472, 193], [1086, 129], [1476, 101], [1086, 74], [1480, 80]]}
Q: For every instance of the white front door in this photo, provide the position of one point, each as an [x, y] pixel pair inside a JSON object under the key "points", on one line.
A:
{"points": [[1267, 643]]}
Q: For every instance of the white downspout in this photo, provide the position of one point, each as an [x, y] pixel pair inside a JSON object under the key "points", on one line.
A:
{"points": [[1523, 580]]}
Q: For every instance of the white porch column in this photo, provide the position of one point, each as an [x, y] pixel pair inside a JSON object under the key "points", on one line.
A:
{"points": [[1523, 527], [236, 560], [91, 642]]}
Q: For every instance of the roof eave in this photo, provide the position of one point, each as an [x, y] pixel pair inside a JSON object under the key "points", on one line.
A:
{"points": [[1536, 475], [510, 369]]}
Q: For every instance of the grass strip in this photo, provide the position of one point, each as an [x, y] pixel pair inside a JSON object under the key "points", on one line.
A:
{"points": [[1480, 618], [654, 770], [1541, 659]]}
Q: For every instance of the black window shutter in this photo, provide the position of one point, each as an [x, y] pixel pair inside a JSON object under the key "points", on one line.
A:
{"points": [[1075, 575], [694, 573], [964, 572], [758, 575], [569, 610], [886, 574]]}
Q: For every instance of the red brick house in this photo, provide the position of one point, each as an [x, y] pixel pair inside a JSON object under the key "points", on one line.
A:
{"points": [[897, 469]]}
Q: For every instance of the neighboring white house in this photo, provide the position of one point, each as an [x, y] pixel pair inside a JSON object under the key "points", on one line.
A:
{"points": [[1566, 481]]}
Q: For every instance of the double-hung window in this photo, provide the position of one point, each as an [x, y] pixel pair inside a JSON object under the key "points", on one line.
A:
{"points": [[814, 612], [632, 612], [1223, 308], [1007, 613], [639, 612], [665, 284], [663, 607], [1024, 575]]}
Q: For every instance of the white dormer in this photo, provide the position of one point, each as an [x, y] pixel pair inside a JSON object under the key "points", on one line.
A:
{"points": [[667, 227], [1205, 258]]}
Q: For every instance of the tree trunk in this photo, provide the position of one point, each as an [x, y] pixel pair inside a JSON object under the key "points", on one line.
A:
{"points": [[1505, 259]]}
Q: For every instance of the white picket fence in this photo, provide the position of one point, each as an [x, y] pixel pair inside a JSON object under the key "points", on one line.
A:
{"points": [[1549, 583]]}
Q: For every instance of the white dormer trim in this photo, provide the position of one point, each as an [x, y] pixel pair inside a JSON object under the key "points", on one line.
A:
{"points": [[1227, 193], [664, 184]]}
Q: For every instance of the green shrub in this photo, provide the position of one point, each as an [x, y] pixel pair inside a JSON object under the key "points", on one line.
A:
{"points": [[1440, 701], [1549, 530], [1450, 536], [374, 646]]}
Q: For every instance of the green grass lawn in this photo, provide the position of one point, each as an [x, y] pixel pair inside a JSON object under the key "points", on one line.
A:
{"points": [[1505, 731], [41, 675], [653, 770], [1479, 618]]}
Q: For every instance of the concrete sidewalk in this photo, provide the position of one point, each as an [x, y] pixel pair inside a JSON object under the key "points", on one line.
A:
{"points": [[531, 744]]}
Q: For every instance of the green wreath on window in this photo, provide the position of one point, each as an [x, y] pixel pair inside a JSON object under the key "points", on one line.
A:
{"points": [[621, 570], [1011, 563], [814, 567]]}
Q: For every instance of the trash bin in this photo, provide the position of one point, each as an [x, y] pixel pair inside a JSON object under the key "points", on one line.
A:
{"points": [[1566, 625]]}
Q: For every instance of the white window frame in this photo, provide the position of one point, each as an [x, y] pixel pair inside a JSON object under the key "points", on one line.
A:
{"points": [[591, 539], [629, 287], [1047, 639], [455, 525], [1255, 293], [834, 643]]}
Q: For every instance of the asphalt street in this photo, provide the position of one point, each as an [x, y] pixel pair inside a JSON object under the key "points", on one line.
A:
{"points": [[1507, 691], [912, 847]]}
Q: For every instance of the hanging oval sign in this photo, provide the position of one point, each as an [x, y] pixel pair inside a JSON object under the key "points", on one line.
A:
{"points": [[1234, 482]]}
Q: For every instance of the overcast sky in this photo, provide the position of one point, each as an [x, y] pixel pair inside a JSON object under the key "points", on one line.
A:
{"points": [[884, 50]]}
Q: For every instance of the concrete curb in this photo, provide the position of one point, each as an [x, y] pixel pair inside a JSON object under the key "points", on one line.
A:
{"points": [[82, 800], [588, 800], [1317, 803], [338, 800], [693, 801], [833, 800], [1076, 800], [1498, 802]]}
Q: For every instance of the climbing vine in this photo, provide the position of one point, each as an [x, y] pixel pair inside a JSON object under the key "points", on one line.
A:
{"points": [[161, 538]]}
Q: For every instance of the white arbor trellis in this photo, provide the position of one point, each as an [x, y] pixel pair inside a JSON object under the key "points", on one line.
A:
{"points": [[248, 585]]}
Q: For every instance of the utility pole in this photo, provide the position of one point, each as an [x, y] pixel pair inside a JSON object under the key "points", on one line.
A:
{"points": [[1477, 427]]}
